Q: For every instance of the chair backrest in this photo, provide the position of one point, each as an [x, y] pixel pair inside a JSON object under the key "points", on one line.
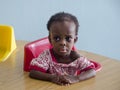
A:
{"points": [[7, 41], [33, 49], [5, 34]]}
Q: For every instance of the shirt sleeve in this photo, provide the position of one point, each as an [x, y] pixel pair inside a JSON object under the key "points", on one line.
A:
{"points": [[41, 63], [85, 64]]}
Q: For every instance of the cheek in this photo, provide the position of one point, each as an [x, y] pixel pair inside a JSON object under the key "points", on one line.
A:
{"points": [[53, 43], [71, 44]]}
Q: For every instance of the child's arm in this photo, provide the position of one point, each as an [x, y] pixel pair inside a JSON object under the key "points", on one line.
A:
{"points": [[48, 77], [83, 76], [40, 75], [87, 74]]}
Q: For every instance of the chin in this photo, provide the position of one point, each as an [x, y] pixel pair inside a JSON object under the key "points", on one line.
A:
{"points": [[65, 54]]}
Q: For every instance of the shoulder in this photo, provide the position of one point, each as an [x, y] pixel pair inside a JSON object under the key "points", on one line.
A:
{"points": [[43, 57], [74, 55], [45, 53]]}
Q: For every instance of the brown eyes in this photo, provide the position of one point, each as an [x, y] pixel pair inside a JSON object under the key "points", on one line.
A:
{"points": [[68, 38], [58, 38]]}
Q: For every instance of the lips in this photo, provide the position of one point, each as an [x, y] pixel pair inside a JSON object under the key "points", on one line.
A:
{"points": [[63, 50]]}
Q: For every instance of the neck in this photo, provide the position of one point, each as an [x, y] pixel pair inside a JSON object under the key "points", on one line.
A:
{"points": [[62, 59], [59, 56]]}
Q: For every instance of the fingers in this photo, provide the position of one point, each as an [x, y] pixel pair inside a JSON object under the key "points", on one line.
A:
{"points": [[65, 80], [63, 83]]}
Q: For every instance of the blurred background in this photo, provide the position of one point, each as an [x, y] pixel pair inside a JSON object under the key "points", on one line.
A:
{"points": [[99, 30]]}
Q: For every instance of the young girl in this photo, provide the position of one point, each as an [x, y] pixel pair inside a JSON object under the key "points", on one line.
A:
{"points": [[62, 64]]}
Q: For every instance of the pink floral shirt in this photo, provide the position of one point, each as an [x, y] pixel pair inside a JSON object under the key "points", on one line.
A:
{"points": [[47, 63]]}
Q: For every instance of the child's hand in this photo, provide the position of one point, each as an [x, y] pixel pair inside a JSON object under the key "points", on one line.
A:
{"points": [[65, 79], [71, 79], [61, 80]]}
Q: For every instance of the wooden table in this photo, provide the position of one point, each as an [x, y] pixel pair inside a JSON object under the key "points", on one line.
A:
{"points": [[12, 76]]}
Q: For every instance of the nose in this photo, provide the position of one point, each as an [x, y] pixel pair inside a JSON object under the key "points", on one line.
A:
{"points": [[63, 42]]}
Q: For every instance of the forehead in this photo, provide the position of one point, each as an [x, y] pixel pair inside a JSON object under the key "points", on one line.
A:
{"points": [[64, 27]]}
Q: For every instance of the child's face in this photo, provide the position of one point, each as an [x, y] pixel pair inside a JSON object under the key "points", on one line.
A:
{"points": [[62, 37]]}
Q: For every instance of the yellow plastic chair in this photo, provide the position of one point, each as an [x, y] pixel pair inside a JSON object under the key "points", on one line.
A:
{"points": [[7, 41]]}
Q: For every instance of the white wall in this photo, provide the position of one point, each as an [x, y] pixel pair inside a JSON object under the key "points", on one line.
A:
{"points": [[99, 30]]}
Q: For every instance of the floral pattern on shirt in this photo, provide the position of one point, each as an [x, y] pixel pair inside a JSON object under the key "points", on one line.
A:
{"points": [[45, 63]]}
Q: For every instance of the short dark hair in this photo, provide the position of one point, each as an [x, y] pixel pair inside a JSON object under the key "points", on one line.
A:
{"points": [[62, 16]]}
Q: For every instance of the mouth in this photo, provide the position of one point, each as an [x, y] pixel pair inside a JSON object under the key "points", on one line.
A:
{"points": [[63, 50]]}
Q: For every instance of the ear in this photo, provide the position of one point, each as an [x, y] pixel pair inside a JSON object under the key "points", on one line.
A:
{"points": [[76, 38], [49, 38]]}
